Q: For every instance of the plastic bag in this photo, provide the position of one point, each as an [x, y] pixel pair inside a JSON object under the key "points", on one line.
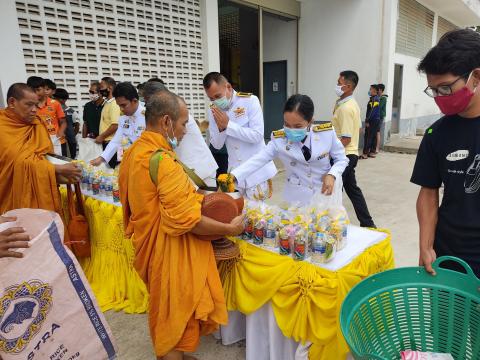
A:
{"points": [[417, 355], [47, 309], [88, 149]]}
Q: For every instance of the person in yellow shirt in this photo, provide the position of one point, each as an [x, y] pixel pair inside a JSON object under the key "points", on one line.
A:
{"points": [[109, 117], [179, 269], [347, 123]]}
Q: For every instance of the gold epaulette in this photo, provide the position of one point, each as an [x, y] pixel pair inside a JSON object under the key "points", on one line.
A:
{"points": [[278, 134], [323, 127], [244, 94]]}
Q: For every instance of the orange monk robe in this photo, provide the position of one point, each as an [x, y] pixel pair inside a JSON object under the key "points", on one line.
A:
{"points": [[178, 268], [27, 178]]}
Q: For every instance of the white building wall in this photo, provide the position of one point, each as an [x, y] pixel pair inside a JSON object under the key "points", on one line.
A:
{"points": [[280, 43], [336, 36], [12, 66]]}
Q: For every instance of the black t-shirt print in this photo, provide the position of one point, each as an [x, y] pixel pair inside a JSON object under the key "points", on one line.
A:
{"points": [[450, 155]]}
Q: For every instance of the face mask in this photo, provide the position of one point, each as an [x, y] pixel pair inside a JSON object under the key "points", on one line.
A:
{"points": [[369, 93], [338, 90], [104, 92], [295, 135], [457, 102], [94, 97], [222, 103], [173, 142]]}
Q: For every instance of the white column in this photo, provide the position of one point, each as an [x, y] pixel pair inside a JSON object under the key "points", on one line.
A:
{"points": [[435, 30], [11, 61], [210, 35]]}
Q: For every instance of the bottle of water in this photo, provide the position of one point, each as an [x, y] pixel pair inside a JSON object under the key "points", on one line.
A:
{"points": [[270, 234]]}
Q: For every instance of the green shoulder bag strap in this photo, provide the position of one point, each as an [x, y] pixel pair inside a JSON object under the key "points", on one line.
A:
{"points": [[155, 162]]}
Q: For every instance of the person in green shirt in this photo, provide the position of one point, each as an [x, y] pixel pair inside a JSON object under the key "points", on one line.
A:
{"points": [[383, 114]]}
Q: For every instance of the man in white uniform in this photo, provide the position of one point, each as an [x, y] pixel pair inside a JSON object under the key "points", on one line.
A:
{"points": [[236, 119], [130, 125], [192, 150]]}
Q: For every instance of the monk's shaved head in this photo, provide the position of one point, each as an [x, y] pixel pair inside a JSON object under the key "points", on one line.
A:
{"points": [[23, 101], [163, 103], [18, 91]]}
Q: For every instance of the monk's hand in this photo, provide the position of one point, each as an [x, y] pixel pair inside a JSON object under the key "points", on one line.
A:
{"points": [[4, 219], [68, 173], [328, 183], [13, 238], [97, 161], [221, 118], [237, 225]]}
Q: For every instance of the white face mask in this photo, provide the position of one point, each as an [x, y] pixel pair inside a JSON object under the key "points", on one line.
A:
{"points": [[94, 97], [338, 90]]}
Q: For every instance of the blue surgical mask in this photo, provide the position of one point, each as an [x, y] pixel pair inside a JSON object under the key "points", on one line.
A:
{"points": [[295, 135], [369, 94], [222, 103], [173, 142]]}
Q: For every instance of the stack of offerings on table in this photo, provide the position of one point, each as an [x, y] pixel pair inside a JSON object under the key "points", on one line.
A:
{"points": [[102, 183], [313, 231]]}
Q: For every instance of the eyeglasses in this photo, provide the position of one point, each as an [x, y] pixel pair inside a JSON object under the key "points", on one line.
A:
{"points": [[443, 90]]}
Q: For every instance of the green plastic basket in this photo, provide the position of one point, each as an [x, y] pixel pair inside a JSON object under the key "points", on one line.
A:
{"points": [[409, 309]]}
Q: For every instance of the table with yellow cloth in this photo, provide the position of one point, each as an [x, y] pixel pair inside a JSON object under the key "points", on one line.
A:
{"points": [[109, 270], [305, 298]]}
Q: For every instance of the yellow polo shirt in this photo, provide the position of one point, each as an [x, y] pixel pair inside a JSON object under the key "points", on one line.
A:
{"points": [[110, 115], [347, 123]]}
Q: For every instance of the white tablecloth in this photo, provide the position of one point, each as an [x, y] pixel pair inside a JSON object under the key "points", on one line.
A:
{"points": [[264, 339]]}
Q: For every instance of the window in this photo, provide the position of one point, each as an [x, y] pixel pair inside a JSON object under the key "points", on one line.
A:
{"points": [[443, 27], [414, 28]]}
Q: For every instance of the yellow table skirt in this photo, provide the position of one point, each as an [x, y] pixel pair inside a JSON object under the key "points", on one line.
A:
{"points": [[306, 299], [110, 272]]}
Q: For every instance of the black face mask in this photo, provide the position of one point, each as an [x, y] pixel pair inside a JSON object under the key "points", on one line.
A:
{"points": [[104, 92]]}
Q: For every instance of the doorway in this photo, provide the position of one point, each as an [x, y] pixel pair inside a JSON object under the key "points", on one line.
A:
{"points": [[274, 94], [397, 98], [239, 45]]}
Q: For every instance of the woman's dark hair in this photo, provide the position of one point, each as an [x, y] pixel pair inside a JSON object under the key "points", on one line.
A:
{"points": [[125, 89], [301, 104], [457, 52]]}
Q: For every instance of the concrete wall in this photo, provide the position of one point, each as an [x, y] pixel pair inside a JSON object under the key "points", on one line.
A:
{"points": [[280, 43], [335, 36], [12, 64]]}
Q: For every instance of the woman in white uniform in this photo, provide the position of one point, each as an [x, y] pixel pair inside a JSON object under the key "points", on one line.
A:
{"points": [[306, 150]]}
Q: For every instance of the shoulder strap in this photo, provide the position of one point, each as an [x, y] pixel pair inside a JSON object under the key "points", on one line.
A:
{"points": [[155, 163]]}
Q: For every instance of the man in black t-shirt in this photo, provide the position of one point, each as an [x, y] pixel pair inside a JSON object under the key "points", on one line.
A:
{"points": [[449, 154]]}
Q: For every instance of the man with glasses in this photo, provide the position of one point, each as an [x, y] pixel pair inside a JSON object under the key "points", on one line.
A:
{"points": [[449, 154], [92, 111]]}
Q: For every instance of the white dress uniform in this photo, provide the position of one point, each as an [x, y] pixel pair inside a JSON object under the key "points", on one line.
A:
{"points": [[129, 129], [243, 138], [193, 151], [303, 178]]}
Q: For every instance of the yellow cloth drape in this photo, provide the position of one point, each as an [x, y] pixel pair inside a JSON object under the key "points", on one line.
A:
{"points": [[110, 272], [306, 299]]}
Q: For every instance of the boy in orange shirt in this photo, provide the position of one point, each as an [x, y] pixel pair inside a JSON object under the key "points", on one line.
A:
{"points": [[51, 115]]}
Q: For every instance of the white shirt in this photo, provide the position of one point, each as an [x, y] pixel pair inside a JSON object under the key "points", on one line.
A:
{"points": [[193, 151], [129, 129], [303, 178], [243, 137]]}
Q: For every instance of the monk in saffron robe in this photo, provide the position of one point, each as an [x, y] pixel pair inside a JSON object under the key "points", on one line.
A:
{"points": [[186, 295], [28, 180]]}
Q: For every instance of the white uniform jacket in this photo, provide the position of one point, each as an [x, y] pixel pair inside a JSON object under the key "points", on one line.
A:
{"points": [[303, 178], [243, 137]]}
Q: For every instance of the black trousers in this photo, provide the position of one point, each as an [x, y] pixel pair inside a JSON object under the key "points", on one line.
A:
{"points": [[72, 142], [113, 162], [369, 145], [374, 147], [355, 193]]}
